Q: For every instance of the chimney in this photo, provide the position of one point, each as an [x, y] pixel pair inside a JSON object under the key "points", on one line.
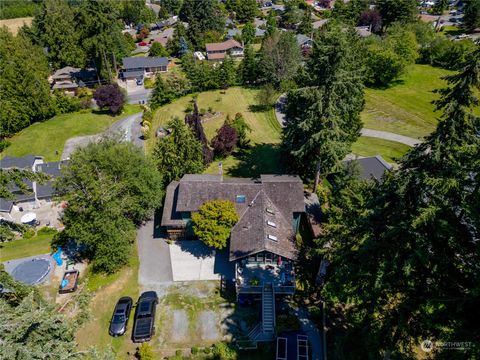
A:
{"points": [[220, 170]]}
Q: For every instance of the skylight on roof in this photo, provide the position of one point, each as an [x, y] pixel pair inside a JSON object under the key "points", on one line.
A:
{"points": [[271, 223], [240, 199], [270, 211], [272, 237]]}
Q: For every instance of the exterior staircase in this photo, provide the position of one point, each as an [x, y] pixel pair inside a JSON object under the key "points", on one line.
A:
{"points": [[265, 331]]}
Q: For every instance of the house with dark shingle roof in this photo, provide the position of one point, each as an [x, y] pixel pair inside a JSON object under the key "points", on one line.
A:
{"points": [[137, 67], [218, 51], [263, 241], [373, 167], [53, 169]]}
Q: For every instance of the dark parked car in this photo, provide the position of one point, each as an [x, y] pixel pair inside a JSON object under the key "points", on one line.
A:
{"points": [[144, 326], [121, 314]]}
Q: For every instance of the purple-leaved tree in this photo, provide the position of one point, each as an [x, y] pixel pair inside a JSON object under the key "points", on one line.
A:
{"points": [[109, 96]]}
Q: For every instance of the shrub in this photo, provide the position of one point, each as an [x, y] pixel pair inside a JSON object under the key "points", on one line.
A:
{"points": [[189, 108], [194, 350], [46, 231], [111, 97], [6, 234], [149, 83], [145, 352], [4, 144], [224, 351], [65, 104], [29, 233]]}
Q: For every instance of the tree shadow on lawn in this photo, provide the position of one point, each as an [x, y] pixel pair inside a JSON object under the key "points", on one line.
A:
{"points": [[257, 160], [390, 85]]}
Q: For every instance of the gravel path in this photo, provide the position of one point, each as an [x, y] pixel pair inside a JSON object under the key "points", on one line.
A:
{"points": [[280, 115]]}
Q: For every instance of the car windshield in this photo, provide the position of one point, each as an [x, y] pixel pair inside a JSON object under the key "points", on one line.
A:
{"points": [[118, 318]]}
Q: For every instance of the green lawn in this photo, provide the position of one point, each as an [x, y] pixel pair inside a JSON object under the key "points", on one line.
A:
{"points": [[390, 150], [265, 135], [16, 249], [45, 138], [405, 108]]}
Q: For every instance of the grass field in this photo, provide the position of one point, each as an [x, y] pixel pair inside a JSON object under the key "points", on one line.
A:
{"points": [[265, 128], [108, 289], [405, 108], [45, 138], [14, 24], [16, 249], [390, 150]]}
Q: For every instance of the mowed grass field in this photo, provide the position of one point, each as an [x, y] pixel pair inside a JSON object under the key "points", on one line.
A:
{"points": [[48, 137], [405, 108], [16, 249], [391, 151]]}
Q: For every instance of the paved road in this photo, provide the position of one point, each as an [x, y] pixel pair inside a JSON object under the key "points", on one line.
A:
{"points": [[139, 96], [280, 115], [128, 127], [155, 272]]}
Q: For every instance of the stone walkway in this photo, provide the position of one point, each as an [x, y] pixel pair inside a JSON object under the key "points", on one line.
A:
{"points": [[280, 115]]}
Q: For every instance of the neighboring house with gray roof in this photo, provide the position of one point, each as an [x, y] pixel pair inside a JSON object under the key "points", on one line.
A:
{"points": [[139, 67], [269, 209], [304, 42], [53, 169], [373, 167]]}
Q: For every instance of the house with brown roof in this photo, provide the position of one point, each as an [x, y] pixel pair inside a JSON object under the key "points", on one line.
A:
{"points": [[263, 242], [218, 51]]}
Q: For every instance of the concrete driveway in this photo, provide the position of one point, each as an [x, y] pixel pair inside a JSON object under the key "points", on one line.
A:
{"points": [[193, 261]]}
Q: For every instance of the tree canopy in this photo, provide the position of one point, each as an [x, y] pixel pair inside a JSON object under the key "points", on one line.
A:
{"points": [[204, 19], [323, 117], [214, 221], [178, 153], [110, 187], [405, 253]]}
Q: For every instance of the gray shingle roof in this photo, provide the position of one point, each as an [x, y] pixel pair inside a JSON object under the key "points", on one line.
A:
{"points": [[54, 170], [282, 193], [374, 166], [25, 162], [135, 62]]}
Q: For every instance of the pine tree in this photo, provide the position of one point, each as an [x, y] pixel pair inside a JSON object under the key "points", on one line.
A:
{"points": [[306, 26], [248, 66], [248, 33], [227, 73], [161, 94], [194, 121], [471, 19], [203, 16], [323, 118]]}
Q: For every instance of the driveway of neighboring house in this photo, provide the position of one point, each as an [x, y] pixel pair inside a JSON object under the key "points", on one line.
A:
{"points": [[129, 128], [280, 115], [153, 251]]}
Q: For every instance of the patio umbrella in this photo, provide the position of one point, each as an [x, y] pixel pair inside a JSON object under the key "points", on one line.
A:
{"points": [[28, 218]]}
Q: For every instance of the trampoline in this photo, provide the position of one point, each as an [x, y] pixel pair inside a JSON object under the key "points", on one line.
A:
{"points": [[32, 271]]}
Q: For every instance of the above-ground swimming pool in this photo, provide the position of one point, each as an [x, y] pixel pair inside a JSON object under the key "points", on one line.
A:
{"points": [[32, 271]]}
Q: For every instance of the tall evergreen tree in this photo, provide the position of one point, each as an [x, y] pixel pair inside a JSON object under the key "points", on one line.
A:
{"points": [[306, 26], [471, 18], [194, 121], [272, 25], [203, 16], [248, 33], [178, 153], [248, 67], [323, 118], [227, 73], [161, 95], [407, 258], [24, 88], [55, 27]]}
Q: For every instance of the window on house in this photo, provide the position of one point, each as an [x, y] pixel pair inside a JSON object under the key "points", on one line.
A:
{"points": [[268, 258], [271, 223], [240, 199], [260, 257], [272, 237]]}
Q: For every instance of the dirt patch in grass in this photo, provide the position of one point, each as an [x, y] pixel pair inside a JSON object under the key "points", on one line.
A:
{"points": [[14, 24]]}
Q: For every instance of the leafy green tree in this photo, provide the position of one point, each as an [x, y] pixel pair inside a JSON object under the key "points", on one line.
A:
{"points": [[406, 259], [178, 45], [248, 67], [241, 126], [213, 222], [245, 10], [161, 95], [54, 26], [248, 33], [157, 50], [271, 24], [397, 10], [172, 6], [279, 58], [349, 12], [440, 6], [383, 65], [178, 153], [24, 88], [471, 18], [323, 117], [110, 187], [203, 16], [306, 25], [136, 12]]}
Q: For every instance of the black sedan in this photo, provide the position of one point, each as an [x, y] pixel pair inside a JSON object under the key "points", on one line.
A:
{"points": [[118, 324]]}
